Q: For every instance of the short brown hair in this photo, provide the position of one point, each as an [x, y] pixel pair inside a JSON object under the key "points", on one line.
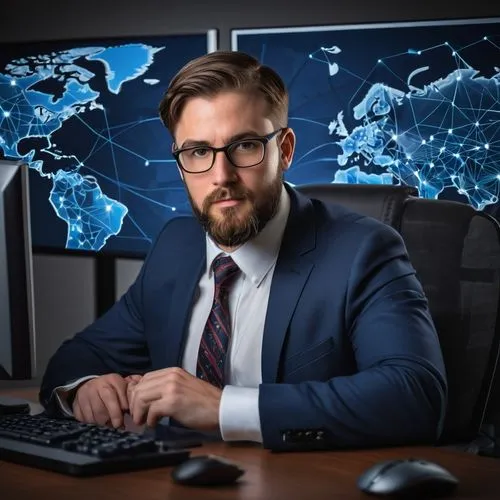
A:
{"points": [[220, 71]]}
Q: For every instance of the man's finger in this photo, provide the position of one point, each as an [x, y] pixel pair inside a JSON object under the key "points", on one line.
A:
{"points": [[133, 378], [139, 412], [120, 386], [156, 411], [111, 403], [130, 392], [174, 371]]}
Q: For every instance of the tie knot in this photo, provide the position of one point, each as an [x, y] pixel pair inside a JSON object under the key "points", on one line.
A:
{"points": [[225, 270]]}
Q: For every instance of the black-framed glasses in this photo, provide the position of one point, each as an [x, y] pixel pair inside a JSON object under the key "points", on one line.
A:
{"points": [[243, 153]]}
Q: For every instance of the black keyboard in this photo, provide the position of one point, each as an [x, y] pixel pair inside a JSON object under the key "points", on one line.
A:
{"points": [[71, 447]]}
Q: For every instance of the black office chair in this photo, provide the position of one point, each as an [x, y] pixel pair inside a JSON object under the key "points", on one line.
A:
{"points": [[455, 251]]}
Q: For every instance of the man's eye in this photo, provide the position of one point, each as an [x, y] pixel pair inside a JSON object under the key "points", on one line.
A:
{"points": [[246, 145], [199, 152]]}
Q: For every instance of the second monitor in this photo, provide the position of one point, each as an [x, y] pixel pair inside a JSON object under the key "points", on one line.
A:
{"points": [[17, 339]]}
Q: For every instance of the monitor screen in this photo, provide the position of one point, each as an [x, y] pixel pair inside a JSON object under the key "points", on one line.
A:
{"points": [[83, 114], [413, 103], [17, 340]]}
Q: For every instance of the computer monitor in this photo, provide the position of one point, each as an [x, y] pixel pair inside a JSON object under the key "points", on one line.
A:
{"points": [[17, 339], [83, 114], [418, 104]]}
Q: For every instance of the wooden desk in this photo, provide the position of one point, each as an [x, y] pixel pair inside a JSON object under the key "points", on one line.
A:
{"points": [[273, 476]]}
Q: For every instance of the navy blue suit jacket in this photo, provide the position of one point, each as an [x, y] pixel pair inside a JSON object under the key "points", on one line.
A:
{"points": [[350, 356]]}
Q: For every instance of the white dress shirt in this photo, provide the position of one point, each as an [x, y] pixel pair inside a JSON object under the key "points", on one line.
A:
{"points": [[239, 418], [248, 297]]}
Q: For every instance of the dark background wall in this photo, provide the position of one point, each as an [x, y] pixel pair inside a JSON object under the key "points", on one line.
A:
{"points": [[65, 285]]}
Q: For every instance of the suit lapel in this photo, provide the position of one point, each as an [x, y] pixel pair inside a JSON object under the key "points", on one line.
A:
{"points": [[293, 268], [190, 265]]}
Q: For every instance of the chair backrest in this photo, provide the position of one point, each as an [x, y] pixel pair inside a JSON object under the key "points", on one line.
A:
{"points": [[455, 251]]}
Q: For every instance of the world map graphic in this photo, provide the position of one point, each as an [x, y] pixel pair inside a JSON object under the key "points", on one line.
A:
{"points": [[85, 120]]}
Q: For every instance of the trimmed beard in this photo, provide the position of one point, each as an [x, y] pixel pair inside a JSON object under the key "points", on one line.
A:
{"points": [[230, 230]]}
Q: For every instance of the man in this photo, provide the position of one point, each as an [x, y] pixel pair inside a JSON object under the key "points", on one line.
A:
{"points": [[318, 334]]}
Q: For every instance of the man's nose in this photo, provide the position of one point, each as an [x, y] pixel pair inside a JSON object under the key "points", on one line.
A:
{"points": [[223, 171]]}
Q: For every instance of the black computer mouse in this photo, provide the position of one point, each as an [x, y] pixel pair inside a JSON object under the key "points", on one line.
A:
{"points": [[206, 470], [407, 478]]}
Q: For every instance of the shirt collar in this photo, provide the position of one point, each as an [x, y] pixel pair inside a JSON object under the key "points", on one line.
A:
{"points": [[256, 257]]}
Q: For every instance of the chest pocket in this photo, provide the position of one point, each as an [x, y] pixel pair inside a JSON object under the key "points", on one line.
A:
{"points": [[314, 363]]}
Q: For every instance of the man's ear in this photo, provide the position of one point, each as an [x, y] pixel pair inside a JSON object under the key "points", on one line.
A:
{"points": [[287, 147]]}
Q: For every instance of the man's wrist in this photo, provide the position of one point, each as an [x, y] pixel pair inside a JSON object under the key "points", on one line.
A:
{"points": [[65, 394]]}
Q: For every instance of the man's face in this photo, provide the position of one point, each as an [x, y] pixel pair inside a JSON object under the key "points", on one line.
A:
{"points": [[233, 204]]}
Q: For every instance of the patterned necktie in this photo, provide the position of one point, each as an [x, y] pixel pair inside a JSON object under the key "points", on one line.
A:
{"points": [[215, 337]]}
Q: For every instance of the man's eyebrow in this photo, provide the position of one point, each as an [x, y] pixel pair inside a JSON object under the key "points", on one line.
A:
{"points": [[190, 143]]}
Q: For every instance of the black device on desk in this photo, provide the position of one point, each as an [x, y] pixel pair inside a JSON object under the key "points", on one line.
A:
{"points": [[206, 470], [408, 478], [78, 449]]}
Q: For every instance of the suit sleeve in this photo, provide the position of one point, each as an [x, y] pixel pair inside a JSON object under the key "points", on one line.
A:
{"points": [[115, 343], [398, 393]]}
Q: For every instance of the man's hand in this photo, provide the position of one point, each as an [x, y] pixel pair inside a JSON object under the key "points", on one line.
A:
{"points": [[175, 393], [103, 400]]}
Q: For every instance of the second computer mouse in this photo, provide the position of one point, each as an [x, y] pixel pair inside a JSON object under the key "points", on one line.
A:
{"points": [[407, 478], [206, 470]]}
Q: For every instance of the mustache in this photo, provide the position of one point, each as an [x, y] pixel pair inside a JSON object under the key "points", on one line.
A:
{"points": [[220, 194]]}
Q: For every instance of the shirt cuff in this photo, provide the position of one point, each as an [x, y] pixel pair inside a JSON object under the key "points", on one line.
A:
{"points": [[63, 392], [239, 418]]}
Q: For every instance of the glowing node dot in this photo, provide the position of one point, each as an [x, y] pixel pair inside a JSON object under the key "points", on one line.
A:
{"points": [[424, 141], [450, 131], [310, 56], [13, 83], [108, 208], [6, 114], [146, 163], [477, 124], [174, 209], [442, 150], [431, 165], [431, 138], [486, 146], [61, 199], [379, 61], [394, 137]]}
